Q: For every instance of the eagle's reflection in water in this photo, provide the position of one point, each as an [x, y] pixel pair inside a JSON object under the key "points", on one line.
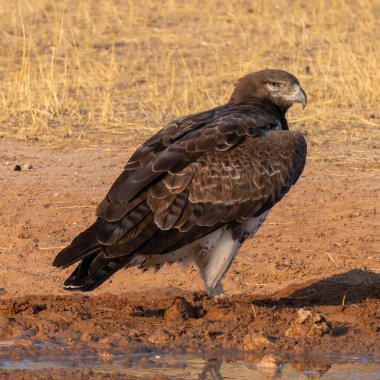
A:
{"points": [[211, 370]]}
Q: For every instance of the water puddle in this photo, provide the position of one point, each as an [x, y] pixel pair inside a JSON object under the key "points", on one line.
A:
{"points": [[200, 367]]}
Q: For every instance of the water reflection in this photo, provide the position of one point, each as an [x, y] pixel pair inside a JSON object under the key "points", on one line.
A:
{"points": [[211, 370], [295, 368], [222, 367]]}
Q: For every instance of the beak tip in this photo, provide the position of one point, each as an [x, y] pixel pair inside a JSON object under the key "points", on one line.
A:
{"points": [[298, 96], [304, 98]]}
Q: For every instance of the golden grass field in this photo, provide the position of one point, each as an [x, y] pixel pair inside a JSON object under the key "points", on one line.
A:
{"points": [[96, 71]]}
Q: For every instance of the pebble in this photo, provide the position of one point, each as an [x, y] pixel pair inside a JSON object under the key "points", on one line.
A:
{"points": [[181, 309], [28, 166], [17, 168]]}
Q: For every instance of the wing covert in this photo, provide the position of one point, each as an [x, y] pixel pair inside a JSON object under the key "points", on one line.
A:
{"points": [[193, 177]]}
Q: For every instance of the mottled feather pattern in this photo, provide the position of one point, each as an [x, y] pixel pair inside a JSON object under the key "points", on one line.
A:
{"points": [[184, 149], [202, 172], [250, 171], [242, 176]]}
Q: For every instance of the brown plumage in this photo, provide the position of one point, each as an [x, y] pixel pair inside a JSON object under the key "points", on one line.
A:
{"points": [[197, 188]]}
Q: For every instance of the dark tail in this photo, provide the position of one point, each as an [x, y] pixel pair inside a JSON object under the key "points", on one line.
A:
{"points": [[83, 245], [95, 267], [94, 270]]}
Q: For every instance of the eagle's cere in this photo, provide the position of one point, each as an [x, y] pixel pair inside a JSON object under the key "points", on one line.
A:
{"points": [[198, 188]]}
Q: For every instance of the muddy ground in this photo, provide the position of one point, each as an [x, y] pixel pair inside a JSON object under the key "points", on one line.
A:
{"points": [[318, 251]]}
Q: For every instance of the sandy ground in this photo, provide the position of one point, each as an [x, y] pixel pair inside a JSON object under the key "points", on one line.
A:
{"points": [[318, 249]]}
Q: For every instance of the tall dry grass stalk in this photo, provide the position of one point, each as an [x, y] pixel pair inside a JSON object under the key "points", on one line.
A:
{"points": [[89, 70]]}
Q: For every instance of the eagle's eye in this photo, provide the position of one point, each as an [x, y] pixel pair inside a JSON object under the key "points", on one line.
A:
{"points": [[273, 86]]}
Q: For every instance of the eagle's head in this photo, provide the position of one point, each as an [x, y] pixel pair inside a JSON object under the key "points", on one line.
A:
{"points": [[277, 86]]}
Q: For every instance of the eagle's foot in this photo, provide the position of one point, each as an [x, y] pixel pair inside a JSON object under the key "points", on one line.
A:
{"points": [[216, 302], [217, 296], [221, 300]]}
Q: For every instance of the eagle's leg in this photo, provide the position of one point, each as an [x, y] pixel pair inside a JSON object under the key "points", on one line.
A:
{"points": [[218, 251], [215, 258]]}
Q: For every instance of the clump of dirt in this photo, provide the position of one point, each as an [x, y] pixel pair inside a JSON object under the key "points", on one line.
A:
{"points": [[160, 336], [310, 324], [256, 341], [181, 309]]}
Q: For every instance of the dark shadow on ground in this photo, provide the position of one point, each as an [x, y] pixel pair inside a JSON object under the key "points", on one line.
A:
{"points": [[347, 288]]}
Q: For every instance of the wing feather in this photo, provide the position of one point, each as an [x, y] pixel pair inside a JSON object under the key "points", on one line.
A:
{"points": [[197, 174], [219, 186]]}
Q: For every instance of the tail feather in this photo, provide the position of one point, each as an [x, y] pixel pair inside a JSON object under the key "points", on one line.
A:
{"points": [[94, 270], [95, 267], [83, 245]]}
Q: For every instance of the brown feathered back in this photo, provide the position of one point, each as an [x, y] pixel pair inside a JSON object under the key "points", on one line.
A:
{"points": [[200, 172]]}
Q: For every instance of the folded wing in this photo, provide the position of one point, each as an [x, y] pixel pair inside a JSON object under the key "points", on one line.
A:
{"points": [[197, 174]]}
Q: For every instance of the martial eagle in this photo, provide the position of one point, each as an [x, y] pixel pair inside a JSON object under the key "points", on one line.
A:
{"points": [[197, 189]]}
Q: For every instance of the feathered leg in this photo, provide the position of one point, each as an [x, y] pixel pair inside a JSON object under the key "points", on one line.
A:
{"points": [[215, 258]]}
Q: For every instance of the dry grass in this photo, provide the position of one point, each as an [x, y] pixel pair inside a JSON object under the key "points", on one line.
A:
{"points": [[89, 70]]}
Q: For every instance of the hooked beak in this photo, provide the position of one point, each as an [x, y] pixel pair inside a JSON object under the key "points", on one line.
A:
{"points": [[299, 96]]}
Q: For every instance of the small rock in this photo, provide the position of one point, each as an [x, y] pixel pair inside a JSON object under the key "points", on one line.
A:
{"points": [[255, 341], [7, 163], [28, 166], [181, 309], [17, 168], [160, 336], [303, 315], [309, 324], [270, 361]]}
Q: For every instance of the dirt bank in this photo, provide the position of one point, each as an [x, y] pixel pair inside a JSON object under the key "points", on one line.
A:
{"points": [[319, 250]]}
